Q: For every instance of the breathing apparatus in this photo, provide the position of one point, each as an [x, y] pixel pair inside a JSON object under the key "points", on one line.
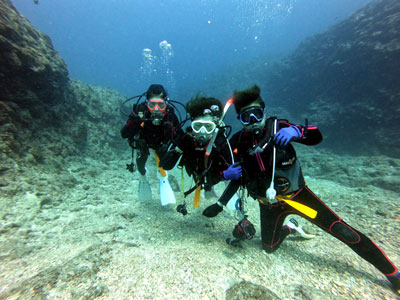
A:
{"points": [[271, 192], [253, 118], [244, 229], [160, 108]]}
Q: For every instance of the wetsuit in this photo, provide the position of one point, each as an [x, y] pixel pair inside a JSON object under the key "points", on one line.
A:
{"points": [[143, 134], [289, 183], [205, 171]]}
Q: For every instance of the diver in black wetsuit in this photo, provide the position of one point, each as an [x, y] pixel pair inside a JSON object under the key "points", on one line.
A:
{"points": [[254, 148], [152, 124], [207, 169]]}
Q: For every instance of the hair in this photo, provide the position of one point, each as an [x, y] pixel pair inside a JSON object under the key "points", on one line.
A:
{"points": [[245, 97], [196, 106], [156, 90]]}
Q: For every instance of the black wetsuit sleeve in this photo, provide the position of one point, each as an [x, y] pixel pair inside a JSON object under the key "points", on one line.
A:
{"points": [[172, 129], [230, 190], [124, 132], [130, 128], [183, 141], [310, 135]]}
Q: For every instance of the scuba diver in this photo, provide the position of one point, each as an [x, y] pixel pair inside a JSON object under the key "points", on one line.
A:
{"points": [[151, 124], [203, 149], [272, 175]]}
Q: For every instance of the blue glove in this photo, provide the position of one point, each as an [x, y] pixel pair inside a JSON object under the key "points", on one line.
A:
{"points": [[233, 172], [285, 135]]}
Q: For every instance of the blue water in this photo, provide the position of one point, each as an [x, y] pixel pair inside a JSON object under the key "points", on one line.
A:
{"points": [[102, 41]]}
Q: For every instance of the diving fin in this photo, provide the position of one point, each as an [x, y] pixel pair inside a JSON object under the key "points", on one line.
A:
{"points": [[232, 202], [144, 189], [166, 193], [294, 225]]}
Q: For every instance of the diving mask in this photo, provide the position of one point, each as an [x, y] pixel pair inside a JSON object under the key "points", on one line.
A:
{"points": [[252, 115], [156, 104], [202, 126]]}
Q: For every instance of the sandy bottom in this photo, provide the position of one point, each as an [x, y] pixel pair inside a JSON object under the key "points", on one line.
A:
{"points": [[83, 234]]}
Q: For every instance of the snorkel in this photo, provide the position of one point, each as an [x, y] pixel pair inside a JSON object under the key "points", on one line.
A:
{"points": [[214, 136]]}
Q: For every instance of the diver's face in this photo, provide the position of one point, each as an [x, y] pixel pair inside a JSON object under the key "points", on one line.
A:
{"points": [[203, 128], [157, 108], [253, 117]]}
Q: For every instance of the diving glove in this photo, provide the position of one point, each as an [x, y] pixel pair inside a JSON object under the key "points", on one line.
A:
{"points": [[213, 210], [234, 172], [286, 135]]}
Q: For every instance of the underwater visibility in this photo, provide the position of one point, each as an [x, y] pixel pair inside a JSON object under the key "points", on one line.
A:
{"points": [[199, 149]]}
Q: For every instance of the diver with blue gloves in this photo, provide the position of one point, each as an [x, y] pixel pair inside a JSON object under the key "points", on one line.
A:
{"points": [[272, 175], [203, 150], [152, 124]]}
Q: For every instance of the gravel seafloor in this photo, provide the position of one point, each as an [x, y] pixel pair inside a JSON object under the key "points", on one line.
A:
{"points": [[81, 233]]}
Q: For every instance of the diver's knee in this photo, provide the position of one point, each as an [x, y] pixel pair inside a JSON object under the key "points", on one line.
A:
{"points": [[345, 233]]}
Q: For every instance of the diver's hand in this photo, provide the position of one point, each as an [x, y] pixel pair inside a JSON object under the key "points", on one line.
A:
{"points": [[234, 172], [285, 135], [213, 210], [169, 160]]}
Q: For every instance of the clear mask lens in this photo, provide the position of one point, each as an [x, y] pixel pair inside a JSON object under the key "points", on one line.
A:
{"points": [[203, 126]]}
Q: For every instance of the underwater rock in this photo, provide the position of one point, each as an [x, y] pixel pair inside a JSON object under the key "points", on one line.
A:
{"points": [[30, 68], [174, 183], [249, 291], [48, 120], [347, 80]]}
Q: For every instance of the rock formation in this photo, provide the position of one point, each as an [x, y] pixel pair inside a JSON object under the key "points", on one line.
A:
{"points": [[46, 118], [30, 68], [347, 80]]}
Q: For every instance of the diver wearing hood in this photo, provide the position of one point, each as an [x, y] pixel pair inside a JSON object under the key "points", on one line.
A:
{"points": [[273, 176], [151, 125], [205, 115]]}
